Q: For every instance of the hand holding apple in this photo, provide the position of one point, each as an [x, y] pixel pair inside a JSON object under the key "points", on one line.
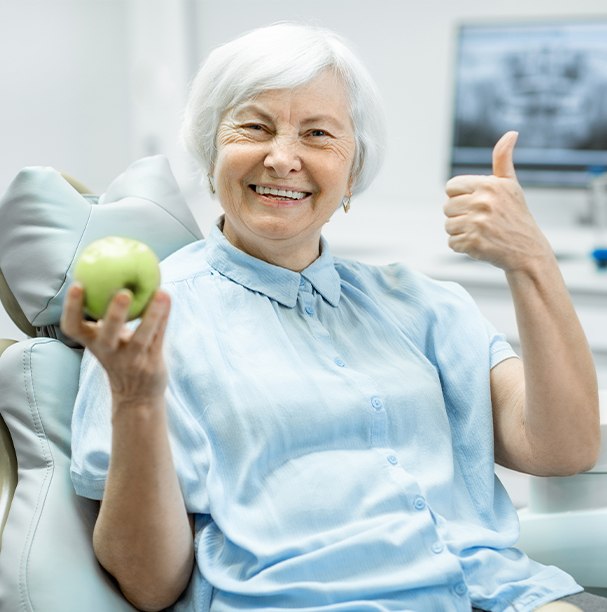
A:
{"points": [[113, 263]]}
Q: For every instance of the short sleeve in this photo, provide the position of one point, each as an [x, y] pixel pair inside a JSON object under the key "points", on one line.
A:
{"points": [[499, 347], [91, 430], [464, 338], [92, 423]]}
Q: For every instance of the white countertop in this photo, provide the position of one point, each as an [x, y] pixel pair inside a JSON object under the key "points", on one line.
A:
{"points": [[388, 233]]}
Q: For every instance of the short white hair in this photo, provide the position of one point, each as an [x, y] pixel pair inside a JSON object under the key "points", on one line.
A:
{"points": [[283, 56]]}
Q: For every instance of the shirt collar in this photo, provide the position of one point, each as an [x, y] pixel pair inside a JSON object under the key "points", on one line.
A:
{"points": [[279, 284]]}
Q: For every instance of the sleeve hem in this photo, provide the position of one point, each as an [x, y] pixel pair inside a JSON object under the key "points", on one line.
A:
{"points": [[88, 487], [501, 355]]}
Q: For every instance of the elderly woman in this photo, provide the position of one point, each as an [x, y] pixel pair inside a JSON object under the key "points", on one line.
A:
{"points": [[314, 433]]}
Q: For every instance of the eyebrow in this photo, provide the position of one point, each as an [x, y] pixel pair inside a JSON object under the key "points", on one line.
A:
{"points": [[252, 107]]}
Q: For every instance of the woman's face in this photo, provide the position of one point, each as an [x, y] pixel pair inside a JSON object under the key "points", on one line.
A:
{"points": [[283, 166]]}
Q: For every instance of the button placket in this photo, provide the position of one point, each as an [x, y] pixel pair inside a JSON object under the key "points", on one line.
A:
{"points": [[379, 426], [377, 403], [307, 308], [437, 547], [419, 503], [460, 589]]}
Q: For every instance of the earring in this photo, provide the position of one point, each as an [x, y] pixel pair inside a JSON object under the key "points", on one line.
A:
{"points": [[346, 203], [211, 183]]}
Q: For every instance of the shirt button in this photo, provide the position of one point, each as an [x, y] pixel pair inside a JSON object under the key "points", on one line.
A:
{"points": [[419, 503], [340, 362], [309, 310], [302, 282], [376, 403], [392, 459], [460, 588], [437, 548]]}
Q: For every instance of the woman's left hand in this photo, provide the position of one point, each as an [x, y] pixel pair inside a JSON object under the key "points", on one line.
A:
{"points": [[488, 218], [545, 412]]}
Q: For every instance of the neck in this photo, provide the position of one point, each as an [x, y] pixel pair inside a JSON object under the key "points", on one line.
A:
{"points": [[293, 254]]}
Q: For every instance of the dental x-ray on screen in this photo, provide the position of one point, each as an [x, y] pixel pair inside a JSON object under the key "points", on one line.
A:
{"points": [[548, 81]]}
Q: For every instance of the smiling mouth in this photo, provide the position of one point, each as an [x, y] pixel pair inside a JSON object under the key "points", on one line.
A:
{"points": [[280, 194]]}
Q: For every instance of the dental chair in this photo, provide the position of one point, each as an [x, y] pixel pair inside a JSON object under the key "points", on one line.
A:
{"points": [[47, 563], [565, 523]]}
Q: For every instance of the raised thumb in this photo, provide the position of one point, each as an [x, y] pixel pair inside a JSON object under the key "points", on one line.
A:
{"points": [[503, 166]]}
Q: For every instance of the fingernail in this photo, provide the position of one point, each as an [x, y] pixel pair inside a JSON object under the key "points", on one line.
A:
{"points": [[123, 297], [75, 290], [161, 298]]}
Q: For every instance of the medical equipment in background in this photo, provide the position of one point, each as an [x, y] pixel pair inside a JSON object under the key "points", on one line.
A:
{"points": [[565, 523]]}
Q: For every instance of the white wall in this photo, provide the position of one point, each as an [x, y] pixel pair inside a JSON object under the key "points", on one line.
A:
{"points": [[64, 100]]}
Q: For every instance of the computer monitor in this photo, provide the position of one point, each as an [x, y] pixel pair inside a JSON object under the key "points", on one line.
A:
{"points": [[546, 80]]}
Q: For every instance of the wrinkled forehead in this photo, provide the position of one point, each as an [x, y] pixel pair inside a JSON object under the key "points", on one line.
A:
{"points": [[325, 96]]}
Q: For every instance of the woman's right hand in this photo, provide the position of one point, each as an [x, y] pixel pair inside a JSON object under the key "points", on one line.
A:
{"points": [[142, 536], [133, 359]]}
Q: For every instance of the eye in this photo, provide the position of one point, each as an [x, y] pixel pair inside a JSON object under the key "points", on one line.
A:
{"points": [[254, 127], [256, 132], [318, 133]]}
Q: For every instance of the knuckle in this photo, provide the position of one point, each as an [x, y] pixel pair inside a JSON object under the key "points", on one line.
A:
{"points": [[113, 317], [456, 244], [452, 227], [104, 347], [483, 203], [137, 345], [482, 223], [474, 238]]}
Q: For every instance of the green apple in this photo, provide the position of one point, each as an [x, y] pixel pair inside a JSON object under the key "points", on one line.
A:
{"points": [[113, 263]]}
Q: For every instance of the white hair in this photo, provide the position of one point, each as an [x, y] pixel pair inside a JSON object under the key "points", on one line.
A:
{"points": [[283, 56]]}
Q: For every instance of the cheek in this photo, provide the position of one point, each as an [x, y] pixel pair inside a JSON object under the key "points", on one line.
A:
{"points": [[335, 175], [338, 165], [235, 162], [228, 185], [232, 196]]}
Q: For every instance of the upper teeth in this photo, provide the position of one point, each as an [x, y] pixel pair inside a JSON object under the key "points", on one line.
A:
{"points": [[297, 195]]}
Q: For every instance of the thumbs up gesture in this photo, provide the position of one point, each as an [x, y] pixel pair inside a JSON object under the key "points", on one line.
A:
{"points": [[488, 218]]}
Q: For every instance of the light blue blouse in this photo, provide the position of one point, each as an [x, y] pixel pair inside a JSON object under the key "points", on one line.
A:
{"points": [[332, 433]]}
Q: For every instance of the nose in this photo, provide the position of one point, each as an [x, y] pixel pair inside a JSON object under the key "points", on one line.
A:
{"points": [[283, 157]]}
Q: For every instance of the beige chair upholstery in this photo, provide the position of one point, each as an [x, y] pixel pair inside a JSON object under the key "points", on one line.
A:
{"points": [[8, 463]]}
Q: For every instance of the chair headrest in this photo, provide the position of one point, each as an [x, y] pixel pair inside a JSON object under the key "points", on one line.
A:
{"points": [[45, 222]]}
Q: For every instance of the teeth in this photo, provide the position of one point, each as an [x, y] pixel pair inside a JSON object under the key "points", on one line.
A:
{"points": [[294, 195]]}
